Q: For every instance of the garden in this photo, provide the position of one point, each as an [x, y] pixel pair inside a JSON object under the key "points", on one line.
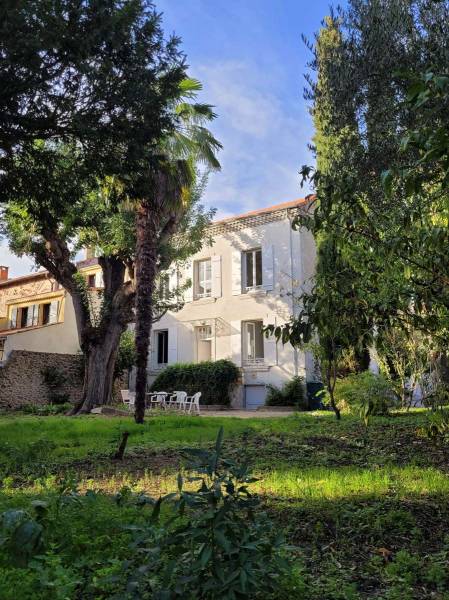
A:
{"points": [[335, 509]]}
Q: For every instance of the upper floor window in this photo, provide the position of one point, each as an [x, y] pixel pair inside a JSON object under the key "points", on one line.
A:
{"points": [[91, 281], [164, 287], [161, 347], [252, 269], [44, 313], [253, 350], [203, 278]]}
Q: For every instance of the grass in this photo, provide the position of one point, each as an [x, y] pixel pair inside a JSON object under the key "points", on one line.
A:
{"points": [[366, 508]]}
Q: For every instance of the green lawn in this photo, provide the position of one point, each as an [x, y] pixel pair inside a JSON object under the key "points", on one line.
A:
{"points": [[366, 508]]}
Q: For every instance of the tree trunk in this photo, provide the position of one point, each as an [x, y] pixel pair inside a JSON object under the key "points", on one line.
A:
{"points": [[147, 224], [99, 371], [331, 376]]}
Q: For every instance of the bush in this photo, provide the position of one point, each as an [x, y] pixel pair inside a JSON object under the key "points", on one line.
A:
{"points": [[126, 356], [215, 380], [218, 543], [364, 392], [292, 393], [55, 381]]}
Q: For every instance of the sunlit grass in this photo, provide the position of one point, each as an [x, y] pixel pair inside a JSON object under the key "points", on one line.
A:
{"points": [[347, 482]]}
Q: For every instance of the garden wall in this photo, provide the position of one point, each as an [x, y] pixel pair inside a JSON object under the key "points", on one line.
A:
{"points": [[21, 381]]}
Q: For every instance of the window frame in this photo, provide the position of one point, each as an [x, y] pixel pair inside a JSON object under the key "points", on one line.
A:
{"points": [[253, 360], [161, 352], [2, 348], [254, 253], [201, 282]]}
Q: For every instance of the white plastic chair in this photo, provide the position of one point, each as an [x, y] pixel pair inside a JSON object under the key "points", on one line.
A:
{"points": [[129, 398], [193, 402], [179, 399], [158, 399]]}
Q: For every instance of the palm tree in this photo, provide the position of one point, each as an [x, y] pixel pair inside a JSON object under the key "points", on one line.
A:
{"points": [[172, 175]]}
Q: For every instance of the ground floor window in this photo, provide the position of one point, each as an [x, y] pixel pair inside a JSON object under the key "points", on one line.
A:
{"points": [[162, 347], [253, 351], [2, 348], [204, 343]]}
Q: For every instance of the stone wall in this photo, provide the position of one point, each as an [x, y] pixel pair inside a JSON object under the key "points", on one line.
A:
{"points": [[21, 381]]}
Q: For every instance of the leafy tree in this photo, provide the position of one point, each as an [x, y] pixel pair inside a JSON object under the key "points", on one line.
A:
{"points": [[161, 209], [52, 221], [395, 242], [96, 74]]}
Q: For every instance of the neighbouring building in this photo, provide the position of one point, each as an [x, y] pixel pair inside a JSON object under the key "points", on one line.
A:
{"points": [[247, 278], [38, 332]]}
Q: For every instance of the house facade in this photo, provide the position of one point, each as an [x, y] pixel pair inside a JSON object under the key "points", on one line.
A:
{"points": [[248, 278], [37, 315]]}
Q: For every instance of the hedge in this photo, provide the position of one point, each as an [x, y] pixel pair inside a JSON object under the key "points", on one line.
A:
{"points": [[215, 380]]}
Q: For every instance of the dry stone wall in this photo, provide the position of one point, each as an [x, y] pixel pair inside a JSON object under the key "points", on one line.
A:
{"points": [[22, 383]]}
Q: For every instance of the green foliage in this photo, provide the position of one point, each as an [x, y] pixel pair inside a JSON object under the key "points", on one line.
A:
{"points": [[215, 380], [21, 536], [45, 410], [126, 357], [365, 394], [55, 380], [292, 393], [221, 545], [32, 456]]}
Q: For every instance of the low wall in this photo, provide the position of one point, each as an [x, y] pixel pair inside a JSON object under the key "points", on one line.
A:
{"points": [[21, 381]]}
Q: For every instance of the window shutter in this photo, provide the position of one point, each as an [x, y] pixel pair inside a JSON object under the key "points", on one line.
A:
{"points": [[269, 344], [54, 312], [173, 280], [236, 272], [236, 342], [216, 276], [172, 345], [268, 267], [188, 293], [99, 281]]}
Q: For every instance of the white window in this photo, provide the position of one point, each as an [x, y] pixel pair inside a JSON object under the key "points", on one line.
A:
{"points": [[50, 312], [252, 269], [32, 315], [253, 351], [161, 338], [203, 278], [164, 287]]}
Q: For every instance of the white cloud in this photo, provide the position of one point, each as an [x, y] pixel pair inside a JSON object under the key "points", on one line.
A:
{"points": [[264, 136]]}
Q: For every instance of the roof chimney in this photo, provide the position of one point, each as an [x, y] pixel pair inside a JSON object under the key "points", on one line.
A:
{"points": [[4, 273]]}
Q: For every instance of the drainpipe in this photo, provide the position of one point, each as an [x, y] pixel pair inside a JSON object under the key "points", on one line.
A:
{"points": [[295, 350]]}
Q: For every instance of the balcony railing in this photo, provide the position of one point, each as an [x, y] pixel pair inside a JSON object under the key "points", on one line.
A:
{"points": [[253, 361]]}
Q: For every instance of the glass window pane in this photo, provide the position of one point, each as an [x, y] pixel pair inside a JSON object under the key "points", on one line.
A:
{"points": [[249, 270], [258, 254], [250, 340]]}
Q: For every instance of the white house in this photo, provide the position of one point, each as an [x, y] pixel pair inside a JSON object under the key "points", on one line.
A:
{"points": [[248, 278]]}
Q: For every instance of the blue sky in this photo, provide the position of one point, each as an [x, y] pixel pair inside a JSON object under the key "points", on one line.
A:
{"points": [[251, 59]]}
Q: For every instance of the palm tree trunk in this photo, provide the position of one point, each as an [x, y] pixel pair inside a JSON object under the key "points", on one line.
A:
{"points": [[147, 224]]}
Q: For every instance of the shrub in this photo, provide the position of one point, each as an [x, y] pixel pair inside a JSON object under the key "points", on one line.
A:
{"points": [[292, 393], [126, 356], [218, 544], [215, 380], [55, 381], [364, 393]]}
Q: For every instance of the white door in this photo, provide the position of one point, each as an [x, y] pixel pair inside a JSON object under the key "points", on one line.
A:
{"points": [[254, 396]]}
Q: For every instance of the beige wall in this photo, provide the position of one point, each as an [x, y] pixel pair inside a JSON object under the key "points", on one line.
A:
{"points": [[57, 338]]}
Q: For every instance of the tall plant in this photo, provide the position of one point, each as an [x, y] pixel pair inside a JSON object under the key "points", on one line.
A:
{"points": [[161, 209]]}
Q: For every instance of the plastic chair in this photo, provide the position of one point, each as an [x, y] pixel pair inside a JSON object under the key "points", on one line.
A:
{"points": [[193, 402]]}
